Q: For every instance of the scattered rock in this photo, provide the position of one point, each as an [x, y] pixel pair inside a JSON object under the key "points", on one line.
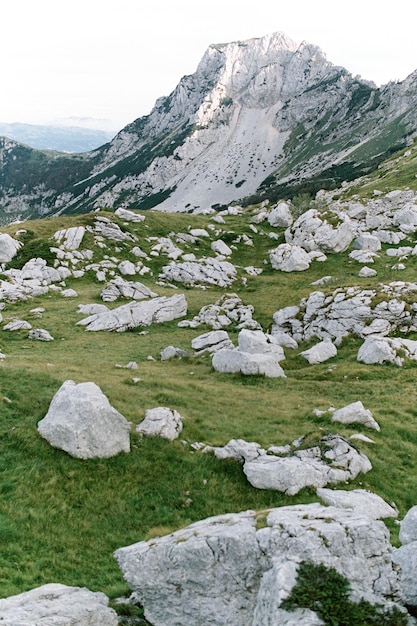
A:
{"points": [[234, 361], [319, 353], [211, 342], [355, 413], [408, 527], [289, 258], [205, 272], [161, 422], [59, 605], [81, 421], [229, 310], [136, 314], [16, 324], [70, 238], [129, 216], [40, 334], [120, 288], [170, 352], [359, 500]]}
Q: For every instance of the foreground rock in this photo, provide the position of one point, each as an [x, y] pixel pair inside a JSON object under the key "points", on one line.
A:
{"points": [[161, 422], [81, 421], [205, 272], [236, 569], [331, 461], [57, 605], [136, 314], [234, 361], [358, 500], [355, 413]]}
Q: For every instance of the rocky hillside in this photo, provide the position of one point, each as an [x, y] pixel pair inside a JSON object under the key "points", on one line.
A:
{"points": [[263, 118], [213, 411]]}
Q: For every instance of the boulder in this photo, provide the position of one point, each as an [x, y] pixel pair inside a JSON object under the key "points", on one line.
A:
{"points": [[237, 449], [258, 342], [58, 605], [16, 324], [129, 216], [234, 361], [280, 216], [40, 334], [204, 272], [311, 232], [81, 421], [334, 461], [220, 247], [408, 527], [355, 413], [161, 422], [366, 241], [319, 353], [137, 314], [8, 247], [359, 500], [211, 342], [227, 311], [289, 258], [107, 229], [120, 288], [171, 352], [237, 568], [70, 238]]}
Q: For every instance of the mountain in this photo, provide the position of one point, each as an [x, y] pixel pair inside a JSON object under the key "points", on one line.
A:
{"points": [[60, 138], [263, 118]]}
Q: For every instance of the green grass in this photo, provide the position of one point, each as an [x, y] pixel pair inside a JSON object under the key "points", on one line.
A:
{"points": [[62, 518]]}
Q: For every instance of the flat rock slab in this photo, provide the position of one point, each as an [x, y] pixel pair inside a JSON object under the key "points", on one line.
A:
{"points": [[57, 605], [81, 421], [161, 422], [136, 314], [358, 500]]}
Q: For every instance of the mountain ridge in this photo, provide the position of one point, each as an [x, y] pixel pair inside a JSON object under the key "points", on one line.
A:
{"points": [[261, 118]]}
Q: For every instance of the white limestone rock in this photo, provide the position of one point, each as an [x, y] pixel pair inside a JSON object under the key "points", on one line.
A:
{"points": [[376, 350], [129, 216], [17, 324], [81, 421], [120, 288], [406, 558], [137, 314], [57, 605], [308, 468], [367, 241], [319, 353], [171, 352], [239, 450], [40, 334], [258, 342], [289, 258], [367, 272], [109, 230], [311, 232], [280, 216], [211, 342], [408, 527], [355, 413], [161, 422], [92, 309], [234, 361], [230, 568], [359, 500], [8, 247], [70, 238], [204, 272], [227, 311], [220, 247]]}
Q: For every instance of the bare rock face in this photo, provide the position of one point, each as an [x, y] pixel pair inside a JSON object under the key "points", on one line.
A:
{"points": [[58, 605], [237, 568], [8, 247], [81, 421]]}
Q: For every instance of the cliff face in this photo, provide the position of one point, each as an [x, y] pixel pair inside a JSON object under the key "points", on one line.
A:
{"points": [[257, 117]]}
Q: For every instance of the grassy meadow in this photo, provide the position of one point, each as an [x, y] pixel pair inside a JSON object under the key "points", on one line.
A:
{"points": [[61, 518]]}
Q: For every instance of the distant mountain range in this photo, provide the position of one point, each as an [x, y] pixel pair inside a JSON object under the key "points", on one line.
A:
{"points": [[60, 138], [263, 118]]}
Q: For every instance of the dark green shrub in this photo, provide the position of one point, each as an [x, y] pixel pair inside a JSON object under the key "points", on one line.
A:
{"points": [[35, 248], [323, 590]]}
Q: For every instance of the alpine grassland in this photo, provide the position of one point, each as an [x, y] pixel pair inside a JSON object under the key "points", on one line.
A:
{"points": [[61, 518]]}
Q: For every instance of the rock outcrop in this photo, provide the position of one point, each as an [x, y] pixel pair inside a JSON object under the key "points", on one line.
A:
{"points": [[237, 568]]}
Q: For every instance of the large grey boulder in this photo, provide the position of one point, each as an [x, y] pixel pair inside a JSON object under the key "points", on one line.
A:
{"points": [[129, 216], [81, 421], [8, 247], [227, 311], [161, 422], [334, 461], [289, 258], [311, 232], [258, 342], [204, 272], [70, 238], [234, 361], [406, 558], [136, 314], [237, 568], [355, 413], [280, 216], [319, 353], [57, 605], [408, 527], [120, 288], [211, 342]]}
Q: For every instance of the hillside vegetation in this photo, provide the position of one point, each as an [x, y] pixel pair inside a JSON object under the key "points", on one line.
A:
{"points": [[61, 518]]}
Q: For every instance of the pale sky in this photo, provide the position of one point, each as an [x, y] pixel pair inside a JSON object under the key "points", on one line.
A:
{"points": [[112, 60]]}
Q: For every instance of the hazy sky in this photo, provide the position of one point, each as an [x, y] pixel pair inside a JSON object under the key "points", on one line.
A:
{"points": [[112, 60]]}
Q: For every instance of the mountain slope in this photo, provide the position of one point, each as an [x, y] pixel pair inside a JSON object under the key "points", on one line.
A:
{"points": [[263, 118]]}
